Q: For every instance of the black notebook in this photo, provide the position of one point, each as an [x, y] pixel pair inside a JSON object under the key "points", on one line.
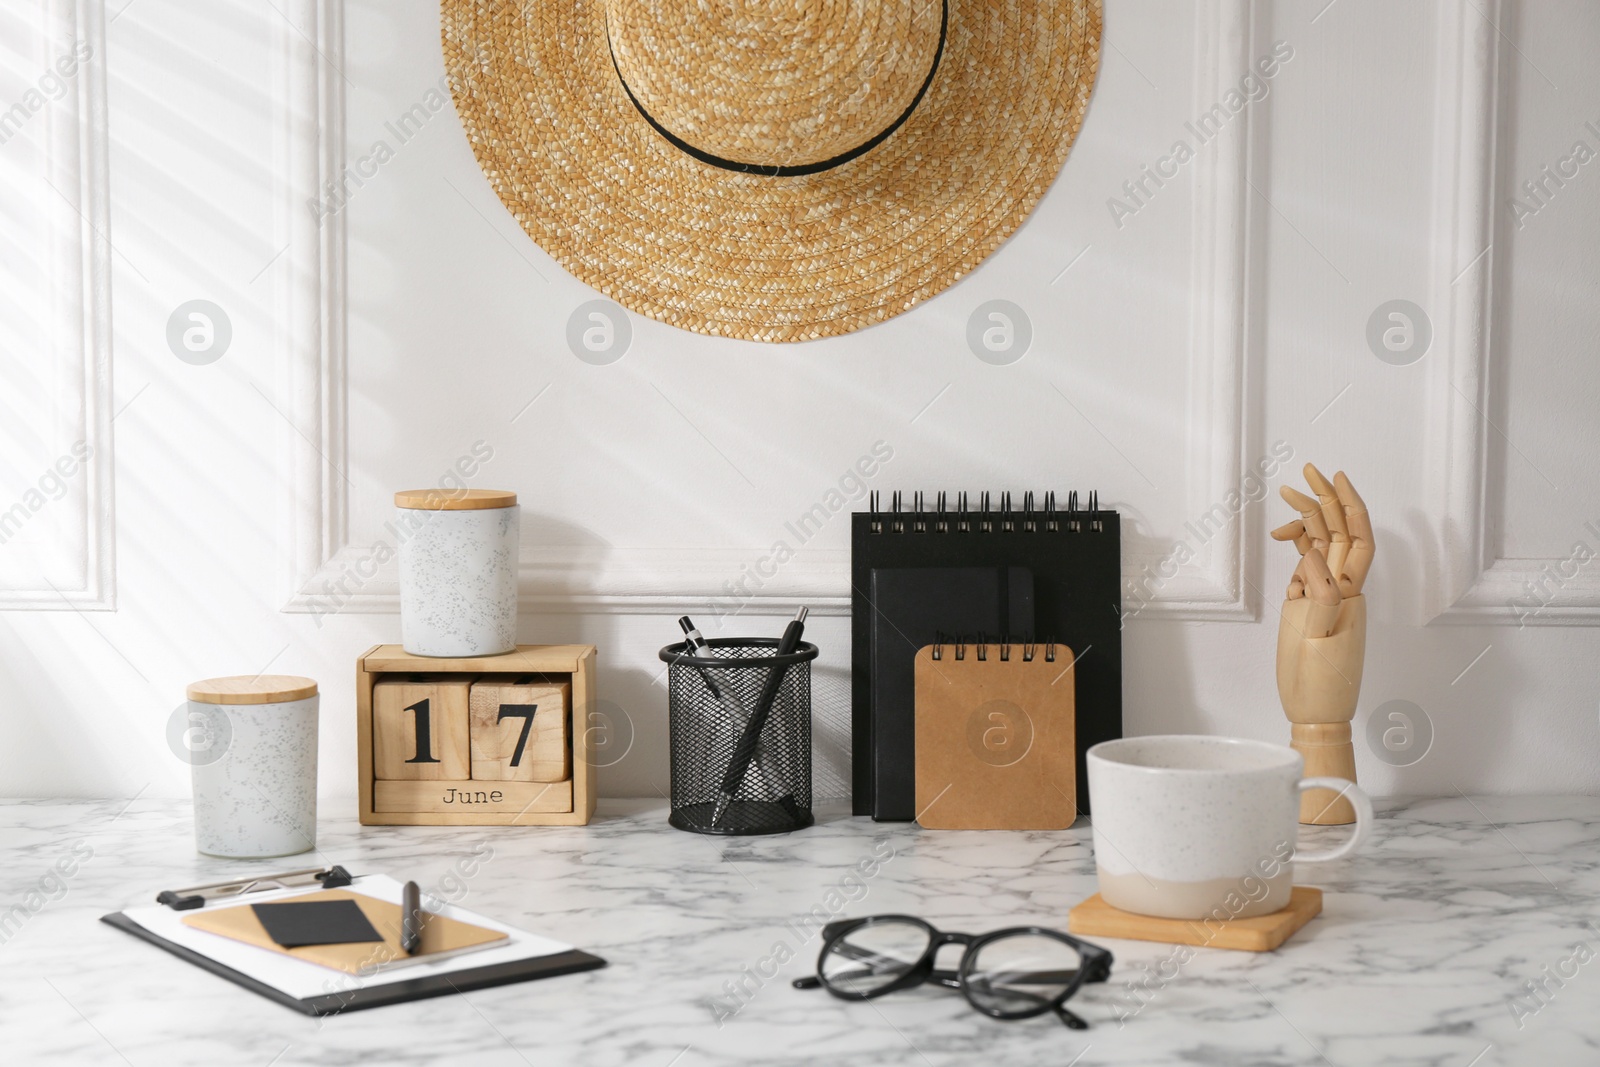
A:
{"points": [[913, 607], [1074, 559]]}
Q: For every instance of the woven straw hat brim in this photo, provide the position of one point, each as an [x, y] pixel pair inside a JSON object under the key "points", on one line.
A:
{"points": [[759, 257]]}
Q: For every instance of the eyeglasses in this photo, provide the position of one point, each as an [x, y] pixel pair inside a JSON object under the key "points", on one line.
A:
{"points": [[1015, 973]]}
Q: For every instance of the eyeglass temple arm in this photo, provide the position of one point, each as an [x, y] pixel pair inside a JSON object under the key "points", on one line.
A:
{"points": [[1066, 1015]]}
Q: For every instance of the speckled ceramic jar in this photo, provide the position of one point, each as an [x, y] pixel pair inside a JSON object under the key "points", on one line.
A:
{"points": [[458, 571], [1195, 827], [255, 785]]}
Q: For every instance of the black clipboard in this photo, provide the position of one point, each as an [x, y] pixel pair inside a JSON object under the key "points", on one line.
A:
{"points": [[380, 995]]}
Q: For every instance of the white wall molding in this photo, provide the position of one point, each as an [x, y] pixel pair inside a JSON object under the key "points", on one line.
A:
{"points": [[308, 94], [325, 573], [1214, 587], [1468, 583], [80, 286]]}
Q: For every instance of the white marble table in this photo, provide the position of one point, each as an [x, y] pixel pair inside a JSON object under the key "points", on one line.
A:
{"points": [[1421, 956]]}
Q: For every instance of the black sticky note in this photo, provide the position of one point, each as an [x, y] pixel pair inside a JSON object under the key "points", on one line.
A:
{"points": [[295, 923]]}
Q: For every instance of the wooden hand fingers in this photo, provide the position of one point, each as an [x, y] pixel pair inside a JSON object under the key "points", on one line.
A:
{"points": [[1323, 592], [1294, 531], [1336, 526], [1358, 560], [1333, 515], [1297, 582], [1310, 513], [1328, 497]]}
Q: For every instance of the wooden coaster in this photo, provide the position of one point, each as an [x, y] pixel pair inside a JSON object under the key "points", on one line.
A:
{"points": [[1262, 933]]}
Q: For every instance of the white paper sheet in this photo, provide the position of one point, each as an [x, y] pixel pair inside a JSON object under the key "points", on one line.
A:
{"points": [[303, 980]]}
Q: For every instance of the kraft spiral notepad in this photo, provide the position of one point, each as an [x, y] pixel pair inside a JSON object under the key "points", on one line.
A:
{"points": [[995, 737], [1073, 561]]}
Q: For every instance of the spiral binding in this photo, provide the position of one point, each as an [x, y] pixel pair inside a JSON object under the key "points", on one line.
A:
{"points": [[986, 519], [958, 643]]}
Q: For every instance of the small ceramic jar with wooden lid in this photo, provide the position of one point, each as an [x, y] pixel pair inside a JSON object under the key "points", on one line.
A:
{"points": [[254, 765], [458, 571]]}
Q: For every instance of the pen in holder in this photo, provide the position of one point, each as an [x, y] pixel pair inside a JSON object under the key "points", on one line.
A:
{"points": [[711, 698]]}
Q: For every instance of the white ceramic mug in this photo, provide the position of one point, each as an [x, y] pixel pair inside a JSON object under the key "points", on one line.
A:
{"points": [[1195, 827]]}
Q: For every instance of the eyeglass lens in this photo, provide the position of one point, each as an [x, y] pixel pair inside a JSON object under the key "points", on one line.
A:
{"points": [[871, 957], [1023, 972]]}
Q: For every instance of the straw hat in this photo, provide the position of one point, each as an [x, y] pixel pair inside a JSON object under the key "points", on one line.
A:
{"points": [[776, 170]]}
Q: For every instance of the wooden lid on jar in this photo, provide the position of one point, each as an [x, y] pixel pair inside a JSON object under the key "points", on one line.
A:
{"points": [[455, 499], [259, 689]]}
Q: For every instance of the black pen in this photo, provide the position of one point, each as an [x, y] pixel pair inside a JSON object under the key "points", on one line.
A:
{"points": [[731, 706], [746, 749], [411, 918], [699, 647]]}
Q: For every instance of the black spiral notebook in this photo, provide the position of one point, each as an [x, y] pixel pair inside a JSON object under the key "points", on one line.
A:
{"points": [[913, 607], [918, 574]]}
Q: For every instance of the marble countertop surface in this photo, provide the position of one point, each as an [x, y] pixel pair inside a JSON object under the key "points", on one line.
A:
{"points": [[1424, 953]]}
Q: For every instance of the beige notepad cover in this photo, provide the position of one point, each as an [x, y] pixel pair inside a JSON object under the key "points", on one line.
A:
{"points": [[440, 936], [995, 738]]}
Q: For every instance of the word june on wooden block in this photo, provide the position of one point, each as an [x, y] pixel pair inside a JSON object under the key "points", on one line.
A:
{"points": [[467, 797], [519, 729], [420, 730]]}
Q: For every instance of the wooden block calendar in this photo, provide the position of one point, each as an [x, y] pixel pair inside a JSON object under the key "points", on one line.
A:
{"points": [[486, 740]]}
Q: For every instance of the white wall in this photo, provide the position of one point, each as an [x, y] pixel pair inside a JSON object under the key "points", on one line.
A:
{"points": [[223, 521]]}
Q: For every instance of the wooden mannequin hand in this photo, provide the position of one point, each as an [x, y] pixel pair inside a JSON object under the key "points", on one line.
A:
{"points": [[1319, 677], [1323, 632]]}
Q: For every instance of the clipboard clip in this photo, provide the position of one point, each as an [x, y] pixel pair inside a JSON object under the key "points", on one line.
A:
{"points": [[200, 895]]}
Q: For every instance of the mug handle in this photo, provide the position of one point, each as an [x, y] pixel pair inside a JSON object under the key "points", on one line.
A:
{"points": [[1359, 800]]}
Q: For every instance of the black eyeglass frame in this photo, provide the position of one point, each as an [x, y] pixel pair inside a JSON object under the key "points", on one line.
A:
{"points": [[1095, 967]]}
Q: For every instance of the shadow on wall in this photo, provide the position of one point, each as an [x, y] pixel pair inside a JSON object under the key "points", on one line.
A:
{"points": [[584, 553], [1157, 665], [628, 735], [830, 733], [38, 733], [1466, 695]]}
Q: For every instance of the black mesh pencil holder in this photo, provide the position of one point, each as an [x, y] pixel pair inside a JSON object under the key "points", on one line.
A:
{"points": [[710, 700]]}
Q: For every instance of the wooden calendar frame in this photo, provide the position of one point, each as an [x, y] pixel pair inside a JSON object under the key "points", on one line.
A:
{"points": [[575, 661]]}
